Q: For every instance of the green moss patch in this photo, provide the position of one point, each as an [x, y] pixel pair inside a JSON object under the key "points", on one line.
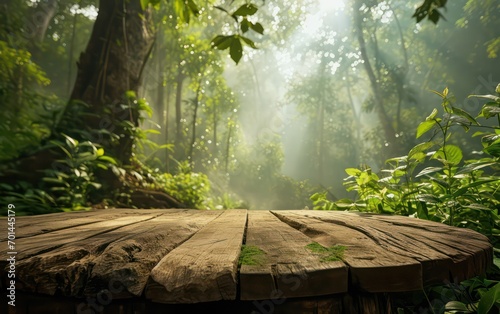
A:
{"points": [[327, 254], [251, 255]]}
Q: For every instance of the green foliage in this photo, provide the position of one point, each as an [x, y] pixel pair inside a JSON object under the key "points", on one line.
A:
{"points": [[224, 201], [67, 185], [470, 296], [22, 103], [429, 9], [235, 42], [27, 199], [71, 180], [190, 188], [251, 255], [330, 254], [256, 177], [446, 188], [435, 181]]}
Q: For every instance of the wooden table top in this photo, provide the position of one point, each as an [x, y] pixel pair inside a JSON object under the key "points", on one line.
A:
{"points": [[189, 256]]}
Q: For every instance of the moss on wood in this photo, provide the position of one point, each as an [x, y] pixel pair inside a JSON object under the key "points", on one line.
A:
{"points": [[251, 255], [327, 254]]}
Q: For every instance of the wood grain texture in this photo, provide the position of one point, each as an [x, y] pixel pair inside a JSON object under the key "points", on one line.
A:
{"points": [[190, 256], [129, 261], [53, 239], [28, 226], [445, 253], [119, 260], [204, 268], [287, 269], [371, 267]]}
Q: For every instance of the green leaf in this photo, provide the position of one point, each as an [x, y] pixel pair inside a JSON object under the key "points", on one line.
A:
{"points": [[221, 8], [108, 159], [222, 42], [61, 146], [422, 210], [440, 182], [491, 97], [182, 9], [428, 170], [236, 50], [428, 198], [248, 42], [193, 7], [457, 306], [465, 188], [493, 150], [353, 171], [489, 111], [345, 203], [56, 181], [71, 141], [489, 299], [257, 27], [424, 127], [465, 115], [445, 92], [478, 207], [151, 131], [422, 147], [451, 154], [432, 115], [144, 4], [246, 9], [475, 166], [434, 16], [438, 93], [453, 118], [244, 25]]}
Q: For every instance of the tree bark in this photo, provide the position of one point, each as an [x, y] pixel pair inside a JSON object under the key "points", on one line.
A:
{"points": [[385, 121], [178, 108], [195, 116], [111, 65], [42, 16]]}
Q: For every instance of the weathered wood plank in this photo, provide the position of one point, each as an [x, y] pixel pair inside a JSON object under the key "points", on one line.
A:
{"points": [[28, 226], [204, 268], [131, 259], [40, 243], [288, 268], [471, 252], [446, 253], [372, 267], [118, 261]]}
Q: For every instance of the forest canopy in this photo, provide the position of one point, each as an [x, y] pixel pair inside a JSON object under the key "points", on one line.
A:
{"points": [[219, 104]]}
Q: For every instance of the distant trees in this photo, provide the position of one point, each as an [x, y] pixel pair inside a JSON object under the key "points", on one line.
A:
{"points": [[361, 76]]}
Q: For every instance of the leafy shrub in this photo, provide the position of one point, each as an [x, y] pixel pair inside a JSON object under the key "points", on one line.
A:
{"points": [[67, 185], [72, 179], [190, 188], [434, 181], [22, 102]]}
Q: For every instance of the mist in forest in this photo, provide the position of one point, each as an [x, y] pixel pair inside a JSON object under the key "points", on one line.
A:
{"points": [[312, 95], [332, 85]]}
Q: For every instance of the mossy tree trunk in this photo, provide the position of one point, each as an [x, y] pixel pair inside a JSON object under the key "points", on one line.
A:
{"points": [[111, 65]]}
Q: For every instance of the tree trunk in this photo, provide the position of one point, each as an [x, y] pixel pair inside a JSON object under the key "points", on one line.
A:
{"points": [[111, 65], [70, 53], [195, 114], [42, 16], [385, 121], [215, 130], [178, 107]]}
